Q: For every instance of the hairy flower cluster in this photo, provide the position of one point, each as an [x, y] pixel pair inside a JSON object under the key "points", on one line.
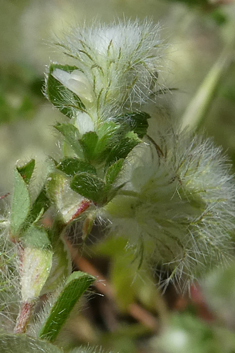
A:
{"points": [[177, 205], [116, 67], [168, 191]]}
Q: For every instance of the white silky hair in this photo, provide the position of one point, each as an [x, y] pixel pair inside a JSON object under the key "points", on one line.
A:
{"points": [[177, 205], [121, 63]]}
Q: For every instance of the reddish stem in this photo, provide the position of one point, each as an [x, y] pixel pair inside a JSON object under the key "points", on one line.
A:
{"points": [[24, 317]]}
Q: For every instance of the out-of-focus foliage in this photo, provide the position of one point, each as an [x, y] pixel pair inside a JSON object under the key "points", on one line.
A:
{"points": [[20, 93], [219, 291], [189, 334]]}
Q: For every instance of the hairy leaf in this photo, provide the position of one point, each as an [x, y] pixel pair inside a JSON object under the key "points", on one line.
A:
{"points": [[136, 122], [60, 96], [39, 207], [71, 134], [122, 147], [36, 237], [89, 186], [113, 171], [26, 170], [88, 143], [75, 286], [20, 204], [72, 166]]}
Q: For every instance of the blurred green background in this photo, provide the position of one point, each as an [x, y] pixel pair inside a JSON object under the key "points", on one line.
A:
{"points": [[196, 33]]}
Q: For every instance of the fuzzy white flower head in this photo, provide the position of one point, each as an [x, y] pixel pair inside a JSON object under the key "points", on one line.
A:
{"points": [[178, 204], [119, 64]]}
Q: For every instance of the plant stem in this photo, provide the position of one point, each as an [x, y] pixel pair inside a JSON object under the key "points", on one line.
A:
{"points": [[24, 317], [200, 104]]}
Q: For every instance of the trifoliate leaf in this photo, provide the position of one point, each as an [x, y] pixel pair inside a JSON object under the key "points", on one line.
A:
{"points": [[26, 170], [25, 344], [136, 122], [71, 134], [36, 237], [72, 166], [88, 143], [60, 96], [113, 171], [75, 286], [89, 186], [20, 203]]}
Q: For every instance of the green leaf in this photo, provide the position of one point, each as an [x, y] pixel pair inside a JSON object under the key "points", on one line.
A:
{"points": [[60, 193], [71, 134], [25, 344], [89, 186], [20, 204], [75, 286], [26, 170], [88, 143], [108, 134], [36, 237], [72, 166], [123, 147], [113, 171], [40, 205], [35, 269], [136, 122], [60, 96], [61, 265]]}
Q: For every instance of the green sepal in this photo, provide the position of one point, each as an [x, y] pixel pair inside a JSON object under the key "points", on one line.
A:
{"points": [[72, 166], [88, 143], [71, 134], [122, 147], [136, 122], [77, 283], [113, 171], [20, 204], [36, 237], [24, 344], [89, 186], [60, 96], [26, 170]]}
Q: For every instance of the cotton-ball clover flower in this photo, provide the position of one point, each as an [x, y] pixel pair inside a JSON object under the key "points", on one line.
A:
{"points": [[115, 67], [178, 204]]}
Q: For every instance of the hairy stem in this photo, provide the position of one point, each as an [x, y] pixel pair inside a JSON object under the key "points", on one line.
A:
{"points": [[24, 316]]}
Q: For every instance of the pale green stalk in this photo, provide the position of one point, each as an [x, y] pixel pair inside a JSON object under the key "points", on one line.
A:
{"points": [[196, 111]]}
